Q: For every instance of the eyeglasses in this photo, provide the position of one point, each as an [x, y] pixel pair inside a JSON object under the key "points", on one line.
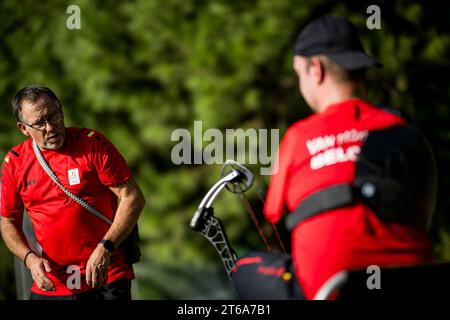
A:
{"points": [[41, 124]]}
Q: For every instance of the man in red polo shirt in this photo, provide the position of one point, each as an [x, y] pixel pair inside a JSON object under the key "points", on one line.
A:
{"points": [[321, 151], [74, 242]]}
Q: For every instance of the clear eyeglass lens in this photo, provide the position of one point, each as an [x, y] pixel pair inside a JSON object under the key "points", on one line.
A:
{"points": [[56, 118]]}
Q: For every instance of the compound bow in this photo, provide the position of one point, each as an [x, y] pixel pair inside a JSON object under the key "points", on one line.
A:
{"points": [[237, 179]]}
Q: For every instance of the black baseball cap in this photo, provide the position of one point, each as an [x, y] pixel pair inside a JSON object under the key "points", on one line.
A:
{"points": [[336, 38]]}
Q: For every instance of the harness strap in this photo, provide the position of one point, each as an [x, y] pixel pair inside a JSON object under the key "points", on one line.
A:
{"points": [[323, 200]]}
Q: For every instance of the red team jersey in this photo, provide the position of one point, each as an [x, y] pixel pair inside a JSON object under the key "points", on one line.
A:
{"points": [[318, 152], [87, 164]]}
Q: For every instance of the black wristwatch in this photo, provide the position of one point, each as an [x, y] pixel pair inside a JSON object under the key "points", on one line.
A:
{"points": [[109, 245]]}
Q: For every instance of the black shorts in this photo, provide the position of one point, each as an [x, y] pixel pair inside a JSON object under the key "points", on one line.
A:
{"points": [[117, 290]]}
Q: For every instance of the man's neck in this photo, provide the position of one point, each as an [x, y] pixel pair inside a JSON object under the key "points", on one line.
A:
{"points": [[338, 94]]}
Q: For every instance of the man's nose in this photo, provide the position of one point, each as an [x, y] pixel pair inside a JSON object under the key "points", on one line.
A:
{"points": [[49, 126]]}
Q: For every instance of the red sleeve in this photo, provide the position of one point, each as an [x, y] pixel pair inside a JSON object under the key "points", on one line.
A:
{"points": [[110, 165], [10, 202], [274, 204]]}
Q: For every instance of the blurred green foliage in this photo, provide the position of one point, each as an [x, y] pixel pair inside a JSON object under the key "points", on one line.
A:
{"points": [[139, 69], [7, 284]]}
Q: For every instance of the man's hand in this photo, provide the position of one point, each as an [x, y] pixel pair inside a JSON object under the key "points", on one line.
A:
{"points": [[97, 267], [38, 267]]}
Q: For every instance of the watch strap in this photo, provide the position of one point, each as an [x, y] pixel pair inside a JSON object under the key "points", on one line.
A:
{"points": [[109, 245]]}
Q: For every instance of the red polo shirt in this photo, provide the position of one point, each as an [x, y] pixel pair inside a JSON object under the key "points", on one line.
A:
{"points": [[87, 164], [321, 151]]}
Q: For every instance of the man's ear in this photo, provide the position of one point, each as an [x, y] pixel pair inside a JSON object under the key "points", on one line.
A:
{"points": [[22, 127], [317, 69]]}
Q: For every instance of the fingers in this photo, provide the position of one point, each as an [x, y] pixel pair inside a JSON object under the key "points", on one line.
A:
{"points": [[101, 275], [92, 278], [97, 268], [96, 275], [88, 275], [47, 266], [99, 278], [47, 284], [39, 276], [105, 276]]}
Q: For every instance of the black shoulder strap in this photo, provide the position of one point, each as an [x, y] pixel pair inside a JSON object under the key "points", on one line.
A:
{"points": [[323, 200]]}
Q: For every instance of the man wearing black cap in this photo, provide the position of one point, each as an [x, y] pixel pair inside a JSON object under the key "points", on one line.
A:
{"points": [[320, 153]]}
